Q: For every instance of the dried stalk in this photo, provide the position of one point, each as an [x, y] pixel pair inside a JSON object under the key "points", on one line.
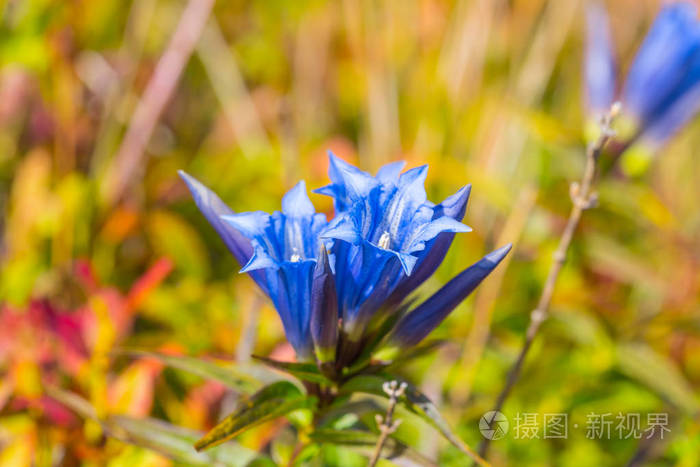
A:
{"points": [[129, 160], [583, 197]]}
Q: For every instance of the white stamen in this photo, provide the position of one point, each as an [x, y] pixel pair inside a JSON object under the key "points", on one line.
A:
{"points": [[295, 258], [384, 241]]}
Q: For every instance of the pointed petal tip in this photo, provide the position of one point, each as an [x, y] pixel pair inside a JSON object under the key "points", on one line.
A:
{"points": [[191, 182], [296, 202], [335, 160], [250, 224], [497, 256]]}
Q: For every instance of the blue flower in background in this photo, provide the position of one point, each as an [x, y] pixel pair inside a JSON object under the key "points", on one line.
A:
{"points": [[662, 89], [335, 283]]}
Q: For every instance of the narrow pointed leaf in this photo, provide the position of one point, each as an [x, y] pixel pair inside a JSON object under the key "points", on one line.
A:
{"points": [[271, 402], [303, 371], [641, 363], [171, 441], [176, 443], [420, 350], [226, 375]]}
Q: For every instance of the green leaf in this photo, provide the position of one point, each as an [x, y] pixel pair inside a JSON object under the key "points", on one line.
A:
{"points": [[303, 371], [271, 402], [416, 402], [169, 440], [351, 409], [368, 384], [640, 362], [418, 351], [176, 442], [227, 375], [365, 443]]}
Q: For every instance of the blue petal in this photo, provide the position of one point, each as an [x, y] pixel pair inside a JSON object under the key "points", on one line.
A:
{"points": [[251, 224], [259, 261], [291, 293], [213, 208], [600, 63], [296, 202], [431, 230], [435, 250], [407, 262], [390, 172], [454, 206], [324, 309], [659, 73], [369, 276], [349, 182], [401, 207], [418, 323], [667, 124], [342, 228]]}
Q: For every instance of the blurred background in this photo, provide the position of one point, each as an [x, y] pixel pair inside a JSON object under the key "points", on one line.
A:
{"points": [[103, 248]]}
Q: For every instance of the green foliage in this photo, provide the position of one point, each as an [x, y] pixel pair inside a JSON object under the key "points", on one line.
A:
{"points": [[271, 402], [487, 93]]}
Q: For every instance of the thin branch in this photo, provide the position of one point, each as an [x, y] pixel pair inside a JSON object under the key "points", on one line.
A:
{"points": [[583, 197], [387, 425], [129, 159]]}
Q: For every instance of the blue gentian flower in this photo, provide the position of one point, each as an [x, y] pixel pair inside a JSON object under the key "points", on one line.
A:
{"points": [[334, 284], [285, 246], [662, 90], [383, 225]]}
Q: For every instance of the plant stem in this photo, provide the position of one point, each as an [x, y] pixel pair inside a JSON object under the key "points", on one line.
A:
{"points": [[387, 425], [583, 198]]}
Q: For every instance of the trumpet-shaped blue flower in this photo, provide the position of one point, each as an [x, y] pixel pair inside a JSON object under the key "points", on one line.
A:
{"points": [[662, 89], [383, 225], [285, 245], [329, 280]]}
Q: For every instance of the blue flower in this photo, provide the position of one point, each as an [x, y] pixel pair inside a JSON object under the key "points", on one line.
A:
{"points": [[213, 208], [278, 251], [600, 69], [419, 322], [285, 245], [336, 284], [383, 228], [662, 89]]}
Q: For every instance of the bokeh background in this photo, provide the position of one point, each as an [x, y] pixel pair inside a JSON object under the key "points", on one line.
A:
{"points": [[102, 247]]}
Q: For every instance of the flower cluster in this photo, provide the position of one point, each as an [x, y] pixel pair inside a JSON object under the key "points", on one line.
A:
{"points": [[662, 90], [340, 286]]}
